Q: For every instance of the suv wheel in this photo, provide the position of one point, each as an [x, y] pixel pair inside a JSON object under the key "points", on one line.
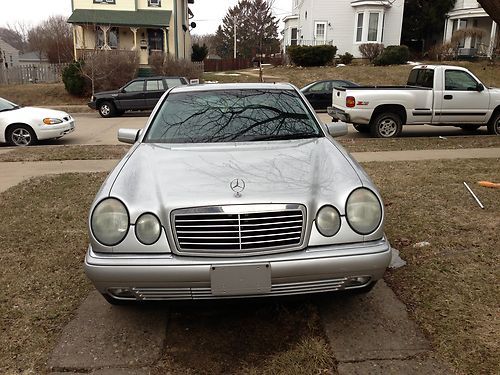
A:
{"points": [[386, 125], [107, 109]]}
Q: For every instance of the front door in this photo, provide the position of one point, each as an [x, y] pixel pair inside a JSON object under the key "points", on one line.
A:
{"points": [[460, 101], [132, 96], [155, 40]]}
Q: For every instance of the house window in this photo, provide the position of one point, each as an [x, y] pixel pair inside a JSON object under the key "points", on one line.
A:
{"points": [[373, 27], [359, 28], [154, 3], [293, 36], [99, 38], [113, 37], [320, 31], [104, 2]]}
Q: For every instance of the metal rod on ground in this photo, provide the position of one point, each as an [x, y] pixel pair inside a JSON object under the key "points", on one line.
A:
{"points": [[474, 195]]}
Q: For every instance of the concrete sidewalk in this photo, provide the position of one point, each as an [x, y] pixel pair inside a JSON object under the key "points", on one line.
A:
{"points": [[15, 172]]}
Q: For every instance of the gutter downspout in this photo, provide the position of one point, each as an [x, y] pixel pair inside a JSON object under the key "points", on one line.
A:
{"points": [[176, 31]]}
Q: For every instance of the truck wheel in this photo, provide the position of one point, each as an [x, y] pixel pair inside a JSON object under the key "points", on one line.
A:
{"points": [[362, 128], [107, 109], [386, 125], [494, 124]]}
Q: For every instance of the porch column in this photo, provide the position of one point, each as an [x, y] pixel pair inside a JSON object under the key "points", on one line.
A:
{"points": [[493, 39], [74, 41], [134, 30], [448, 29], [165, 40], [105, 30]]}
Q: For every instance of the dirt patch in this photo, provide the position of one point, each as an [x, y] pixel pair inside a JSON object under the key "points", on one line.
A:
{"points": [[44, 239], [247, 337], [53, 153], [403, 144], [450, 286]]}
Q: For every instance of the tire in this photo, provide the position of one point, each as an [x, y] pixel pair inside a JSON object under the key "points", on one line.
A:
{"points": [[362, 128], [106, 109], [21, 135], [386, 125], [494, 124], [470, 129]]}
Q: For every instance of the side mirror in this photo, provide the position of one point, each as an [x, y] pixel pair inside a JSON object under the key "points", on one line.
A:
{"points": [[479, 87], [337, 129], [128, 135]]}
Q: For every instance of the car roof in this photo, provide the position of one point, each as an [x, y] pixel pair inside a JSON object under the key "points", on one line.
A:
{"points": [[156, 77], [234, 86]]}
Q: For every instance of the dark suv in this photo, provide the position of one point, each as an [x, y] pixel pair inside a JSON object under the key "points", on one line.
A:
{"points": [[139, 94]]}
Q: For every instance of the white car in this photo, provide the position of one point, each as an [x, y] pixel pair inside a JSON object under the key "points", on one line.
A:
{"points": [[25, 126]]}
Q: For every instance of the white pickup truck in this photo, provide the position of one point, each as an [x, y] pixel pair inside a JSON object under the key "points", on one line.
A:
{"points": [[434, 95]]}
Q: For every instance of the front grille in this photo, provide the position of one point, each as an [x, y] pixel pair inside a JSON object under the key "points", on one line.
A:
{"points": [[239, 230]]}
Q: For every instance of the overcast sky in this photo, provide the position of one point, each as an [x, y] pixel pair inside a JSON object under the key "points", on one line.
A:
{"points": [[208, 13]]}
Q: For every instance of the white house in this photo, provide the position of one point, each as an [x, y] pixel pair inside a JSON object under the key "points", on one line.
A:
{"points": [[9, 56], [467, 14], [344, 23]]}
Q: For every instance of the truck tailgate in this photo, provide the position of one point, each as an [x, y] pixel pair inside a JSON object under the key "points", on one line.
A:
{"points": [[338, 97]]}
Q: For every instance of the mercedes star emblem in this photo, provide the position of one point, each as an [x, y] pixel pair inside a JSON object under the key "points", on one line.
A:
{"points": [[237, 185]]}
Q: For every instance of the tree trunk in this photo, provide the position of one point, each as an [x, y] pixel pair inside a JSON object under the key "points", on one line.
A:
{"points": [[492, 7]]}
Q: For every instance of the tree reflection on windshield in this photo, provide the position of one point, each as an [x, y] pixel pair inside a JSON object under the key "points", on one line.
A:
{"points": [[232, 116]]}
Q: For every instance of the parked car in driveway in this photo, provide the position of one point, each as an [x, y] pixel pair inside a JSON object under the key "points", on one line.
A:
{"points": [[137, 95], [24, 126], [319, 93], [232, 191], [434, 95]]}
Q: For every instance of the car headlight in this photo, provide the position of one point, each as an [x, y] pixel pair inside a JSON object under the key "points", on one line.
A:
{"points": [[147, 229], [363, 211], [52, 121], [328, 221], [110, 222]]}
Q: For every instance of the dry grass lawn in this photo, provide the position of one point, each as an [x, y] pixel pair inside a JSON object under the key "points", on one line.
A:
{"points": [[40, 94], [450, 287], [44, 240], [73, 152]]}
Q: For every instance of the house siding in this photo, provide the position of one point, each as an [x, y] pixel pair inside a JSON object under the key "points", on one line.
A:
{"points": [[340, 18], [11, 55]]}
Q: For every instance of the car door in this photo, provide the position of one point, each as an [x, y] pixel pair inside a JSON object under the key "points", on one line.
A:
{"points": [[131, 96], [315, 95], [461, 102], [155, 87]]}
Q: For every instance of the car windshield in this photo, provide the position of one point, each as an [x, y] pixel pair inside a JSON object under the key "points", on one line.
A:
{"points": [[5, 105], [232, 116]]}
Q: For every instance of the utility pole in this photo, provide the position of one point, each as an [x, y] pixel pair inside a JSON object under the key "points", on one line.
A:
{"points": [[235, 18]]}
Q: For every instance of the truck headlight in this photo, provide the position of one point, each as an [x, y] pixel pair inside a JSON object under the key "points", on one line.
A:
{"points": [[52, 121], [363, 211], [328, 221], [109, 222], [147, 229]]}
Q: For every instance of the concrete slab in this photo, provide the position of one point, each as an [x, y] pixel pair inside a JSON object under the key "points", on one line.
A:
{"points": [[106, 336], [466, 153], [371, 326], [15, 172], [395, 367]]}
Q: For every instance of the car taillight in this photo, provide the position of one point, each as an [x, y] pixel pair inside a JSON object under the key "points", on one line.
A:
{"points": [[350, 101]]}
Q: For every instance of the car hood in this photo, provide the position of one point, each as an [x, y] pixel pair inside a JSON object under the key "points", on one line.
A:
{"points": [[160, 178], [34, 113]]}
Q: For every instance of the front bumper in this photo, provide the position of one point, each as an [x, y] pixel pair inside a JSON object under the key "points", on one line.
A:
{"points": [[55, 131], [338, 114], [172, 277], [92, 105]]}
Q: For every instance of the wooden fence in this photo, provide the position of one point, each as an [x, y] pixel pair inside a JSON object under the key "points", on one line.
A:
{"points": [[24, 74]]}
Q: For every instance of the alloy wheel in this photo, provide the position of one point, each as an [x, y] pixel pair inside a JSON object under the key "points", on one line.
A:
{"points": [[105, 110], [21, 137], [388, 128]]}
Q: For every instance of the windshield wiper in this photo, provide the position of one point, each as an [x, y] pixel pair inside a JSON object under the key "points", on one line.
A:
{"points": [[7, 109], [282, 137]]}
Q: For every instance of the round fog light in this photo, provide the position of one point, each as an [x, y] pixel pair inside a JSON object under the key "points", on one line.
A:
{"points": [[328, 221], [148, 229]]}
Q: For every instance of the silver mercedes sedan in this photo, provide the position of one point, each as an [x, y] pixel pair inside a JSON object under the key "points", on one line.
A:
{"points": [[234, 191]]}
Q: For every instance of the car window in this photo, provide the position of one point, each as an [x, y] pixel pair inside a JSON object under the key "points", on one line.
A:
{"points": [[457, 80], [5, 105], [135, 86], [421, 78], [232, 116], [155, 85], [319, 87], [173, 82]]}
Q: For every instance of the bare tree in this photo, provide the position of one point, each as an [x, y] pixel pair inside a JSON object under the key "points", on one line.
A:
{"points": [[53, 38], [16, 34]]}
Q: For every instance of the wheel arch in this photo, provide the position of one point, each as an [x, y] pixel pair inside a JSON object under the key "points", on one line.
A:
{"points": [[10, 126], [495, 112], [397, 109]]}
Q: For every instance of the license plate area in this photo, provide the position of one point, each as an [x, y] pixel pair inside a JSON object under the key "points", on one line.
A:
{"points": [[240, 279]]}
